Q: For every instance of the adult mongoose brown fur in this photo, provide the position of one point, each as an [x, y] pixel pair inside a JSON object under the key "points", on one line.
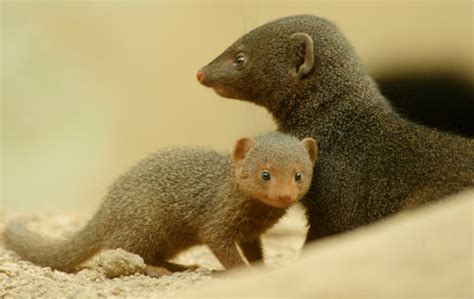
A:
{"points": [[185, 196], [372, 163]]}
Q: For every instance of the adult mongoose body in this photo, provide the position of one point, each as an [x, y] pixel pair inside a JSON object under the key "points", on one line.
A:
{"points": [[185, 196], [372, 163]]}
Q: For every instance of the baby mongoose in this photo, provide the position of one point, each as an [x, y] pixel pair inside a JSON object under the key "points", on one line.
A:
{"points": [[372, 163], [185, 196]]}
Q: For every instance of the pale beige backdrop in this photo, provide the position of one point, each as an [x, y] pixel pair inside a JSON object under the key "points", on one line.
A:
{"points": [[89, 88]]}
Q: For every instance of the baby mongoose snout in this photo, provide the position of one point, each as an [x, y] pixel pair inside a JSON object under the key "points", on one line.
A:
{"points": [[285, 197]]}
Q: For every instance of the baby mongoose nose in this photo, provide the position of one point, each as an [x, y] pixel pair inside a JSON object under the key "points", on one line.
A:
{"points": [[200, 76], [285, 197]]}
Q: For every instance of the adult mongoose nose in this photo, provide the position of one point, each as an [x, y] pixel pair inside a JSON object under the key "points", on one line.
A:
{"points": [[200, 76]]}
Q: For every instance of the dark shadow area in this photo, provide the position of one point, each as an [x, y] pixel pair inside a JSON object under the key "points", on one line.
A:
{"points": [[436, 100]]}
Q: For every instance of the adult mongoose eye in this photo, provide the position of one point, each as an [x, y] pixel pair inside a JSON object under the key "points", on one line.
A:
{"points": [[239, 60]]}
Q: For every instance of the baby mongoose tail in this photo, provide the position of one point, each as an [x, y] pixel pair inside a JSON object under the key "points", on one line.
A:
{"points": [[60, 254]]}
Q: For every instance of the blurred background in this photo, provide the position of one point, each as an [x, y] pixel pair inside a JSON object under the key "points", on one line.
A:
{"points": [[88, 88]]}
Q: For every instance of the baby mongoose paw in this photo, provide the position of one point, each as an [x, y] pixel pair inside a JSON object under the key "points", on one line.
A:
{"points": [[173, 267], [204, 271], [168, 268], [217, 273], [192, 267], [156, 272]]}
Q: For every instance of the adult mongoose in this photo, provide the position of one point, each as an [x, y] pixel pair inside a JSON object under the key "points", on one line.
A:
{"points": [[372, 163], [185, 196]]}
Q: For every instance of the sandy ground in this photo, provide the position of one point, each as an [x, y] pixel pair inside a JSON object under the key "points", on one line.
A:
{"points": [[118, 273], [423, 253]]}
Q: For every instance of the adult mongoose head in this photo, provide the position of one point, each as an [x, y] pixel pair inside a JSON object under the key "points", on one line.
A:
{"points": [[283, 62]]}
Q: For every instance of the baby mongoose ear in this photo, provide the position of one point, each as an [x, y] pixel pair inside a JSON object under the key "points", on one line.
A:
{"points": [[241, 148], [312, 147], [301, 70]]}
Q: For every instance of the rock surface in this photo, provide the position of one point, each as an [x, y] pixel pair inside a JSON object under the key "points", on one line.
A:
{"points": [[118, 262]]}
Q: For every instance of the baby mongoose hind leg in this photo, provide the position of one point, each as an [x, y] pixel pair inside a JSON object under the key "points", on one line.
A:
{"points": [[252, 250], [227, 253]]}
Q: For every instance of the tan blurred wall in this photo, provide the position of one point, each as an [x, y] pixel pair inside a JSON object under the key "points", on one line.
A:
{"points": [[89, 88]]}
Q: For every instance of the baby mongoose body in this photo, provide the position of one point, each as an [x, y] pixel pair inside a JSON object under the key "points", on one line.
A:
{"points": [[185, 196], [372, 163]]}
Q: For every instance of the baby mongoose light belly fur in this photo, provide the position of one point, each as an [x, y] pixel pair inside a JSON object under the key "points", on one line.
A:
{"points": [[185, 196], [372, 163]]}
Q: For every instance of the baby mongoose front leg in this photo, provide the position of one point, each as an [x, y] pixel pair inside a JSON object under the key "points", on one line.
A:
{"points": [[252, 250], [173, 267], [227, 253]]}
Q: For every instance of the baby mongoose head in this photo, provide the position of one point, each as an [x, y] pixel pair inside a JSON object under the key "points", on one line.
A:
{"points": [[274, 168], [282, 60]]}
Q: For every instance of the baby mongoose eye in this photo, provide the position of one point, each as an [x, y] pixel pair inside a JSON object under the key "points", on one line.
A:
{"points": [[266, 175], [239, 60], [298, 176]]}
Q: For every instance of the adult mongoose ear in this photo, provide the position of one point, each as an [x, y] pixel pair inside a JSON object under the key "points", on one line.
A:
{"points": [[301, 70], [241, 148], [312, 147]]}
